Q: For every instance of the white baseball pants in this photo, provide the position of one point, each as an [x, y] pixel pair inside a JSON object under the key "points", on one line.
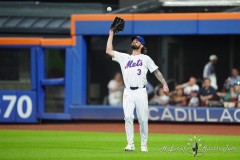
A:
{"points": [[136, 98]]}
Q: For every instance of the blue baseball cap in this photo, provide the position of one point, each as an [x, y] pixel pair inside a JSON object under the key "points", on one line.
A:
{"points": [[140, 39]]}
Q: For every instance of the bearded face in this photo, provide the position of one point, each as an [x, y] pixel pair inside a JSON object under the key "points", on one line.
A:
{"points": [[135, 44], [135, 47]]}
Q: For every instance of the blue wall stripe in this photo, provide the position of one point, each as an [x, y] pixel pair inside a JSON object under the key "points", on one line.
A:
{"points": [[68, 79], [165, 27], [79, 72], [219, 27], [162, 27], [40, 71], [100, 28], [34, 68]]}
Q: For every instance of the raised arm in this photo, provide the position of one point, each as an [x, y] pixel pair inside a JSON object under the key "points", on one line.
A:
{"points": [[109, 48], [160, 77]]}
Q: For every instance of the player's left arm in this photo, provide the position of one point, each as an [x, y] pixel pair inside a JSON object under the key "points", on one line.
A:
{"points": [[160, 77], [109, 48]]}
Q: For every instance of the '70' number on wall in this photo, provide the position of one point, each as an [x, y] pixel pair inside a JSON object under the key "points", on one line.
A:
{"points": [[13, 101]]}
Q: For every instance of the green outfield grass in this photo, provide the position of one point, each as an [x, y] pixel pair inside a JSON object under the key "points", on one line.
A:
{"points": [[22, 145]]}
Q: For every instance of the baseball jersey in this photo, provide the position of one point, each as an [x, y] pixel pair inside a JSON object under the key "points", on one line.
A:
{"points": [[134, 68]]}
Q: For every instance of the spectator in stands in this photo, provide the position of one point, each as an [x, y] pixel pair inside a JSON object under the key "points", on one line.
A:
{"points": [[209, 71], [227, 96], [178, 98], [237, 85], [235, 90], [207, 92], [115, 88], [232, 79], [190, 90], [160, 98], [230, 97]]}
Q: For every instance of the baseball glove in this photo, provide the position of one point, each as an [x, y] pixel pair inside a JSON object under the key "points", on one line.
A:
{"points": [[117, 25]]}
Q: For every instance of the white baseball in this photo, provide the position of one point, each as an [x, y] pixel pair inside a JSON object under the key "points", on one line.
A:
{"points": [[109, 9]]}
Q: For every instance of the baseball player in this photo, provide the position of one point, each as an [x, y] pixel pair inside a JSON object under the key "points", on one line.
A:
{"points": [[134, 69]]}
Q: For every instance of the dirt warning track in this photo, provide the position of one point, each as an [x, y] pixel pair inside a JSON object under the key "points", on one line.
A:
{"points": [[211, 129]]}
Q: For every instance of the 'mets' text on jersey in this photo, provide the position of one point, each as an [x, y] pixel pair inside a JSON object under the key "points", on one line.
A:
{"points": [[134, 68], [133, 64]]}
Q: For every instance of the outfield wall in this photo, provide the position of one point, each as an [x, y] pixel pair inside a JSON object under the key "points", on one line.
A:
{"points": [[159, 24], [159, 113]]}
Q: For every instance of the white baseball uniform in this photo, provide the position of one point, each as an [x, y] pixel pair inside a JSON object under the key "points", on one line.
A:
{"points": [[134, 70]]}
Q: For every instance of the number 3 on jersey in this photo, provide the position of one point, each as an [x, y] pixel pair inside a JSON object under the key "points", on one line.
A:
{"points": [[139, 72]]}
